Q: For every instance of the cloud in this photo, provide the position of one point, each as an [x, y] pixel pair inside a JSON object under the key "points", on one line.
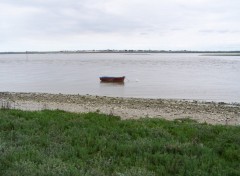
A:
{"points": [[93, 24]]}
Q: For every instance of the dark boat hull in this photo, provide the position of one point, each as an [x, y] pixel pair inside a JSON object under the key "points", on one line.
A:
{"points": [[112, 79]]}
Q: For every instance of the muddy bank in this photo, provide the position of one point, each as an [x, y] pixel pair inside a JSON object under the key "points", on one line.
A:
{"points": [[213, 113]]}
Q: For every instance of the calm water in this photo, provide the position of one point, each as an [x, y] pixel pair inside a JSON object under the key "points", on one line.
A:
{"points": [[178, 76]]}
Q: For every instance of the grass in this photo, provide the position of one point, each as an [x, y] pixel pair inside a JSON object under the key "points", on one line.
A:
{"points": [[60, 143]]}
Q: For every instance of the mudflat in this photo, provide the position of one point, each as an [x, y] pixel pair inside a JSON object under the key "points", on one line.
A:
{"points": [[126, 108]]}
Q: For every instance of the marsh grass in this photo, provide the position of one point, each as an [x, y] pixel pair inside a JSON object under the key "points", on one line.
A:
{"points": [[60, 143]]}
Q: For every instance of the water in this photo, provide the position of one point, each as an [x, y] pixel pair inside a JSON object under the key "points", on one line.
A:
{"points": [[174, 76]]}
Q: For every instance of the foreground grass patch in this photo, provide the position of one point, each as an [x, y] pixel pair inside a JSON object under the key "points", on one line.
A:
{"points": [[61, 143]]}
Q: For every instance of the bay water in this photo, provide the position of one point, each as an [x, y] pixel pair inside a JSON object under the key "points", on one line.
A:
{"points": [[190, 76]]}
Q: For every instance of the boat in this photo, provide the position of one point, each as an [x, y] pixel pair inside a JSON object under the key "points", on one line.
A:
{"points": [[112, 79]]}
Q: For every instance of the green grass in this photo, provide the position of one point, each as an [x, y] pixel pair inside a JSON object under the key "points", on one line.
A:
{"points": [[61, 143]]}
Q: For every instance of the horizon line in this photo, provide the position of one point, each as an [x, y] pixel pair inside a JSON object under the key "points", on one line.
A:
{"points": [[115, 51]]}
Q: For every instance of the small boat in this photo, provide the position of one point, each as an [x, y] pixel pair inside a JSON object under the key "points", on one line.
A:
{"points": [[112, 79]]}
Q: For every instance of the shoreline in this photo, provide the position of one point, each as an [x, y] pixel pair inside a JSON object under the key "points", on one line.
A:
{"points": [[126, 108]]}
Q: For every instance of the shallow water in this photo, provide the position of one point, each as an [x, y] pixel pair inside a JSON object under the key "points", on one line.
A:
{"points": [[177, 76]]}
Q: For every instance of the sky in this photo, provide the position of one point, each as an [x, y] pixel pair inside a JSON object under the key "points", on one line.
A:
{"points": [[53, 25]]}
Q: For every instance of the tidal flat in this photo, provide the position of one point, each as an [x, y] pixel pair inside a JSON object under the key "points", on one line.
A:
{"points": [[126, 108]]}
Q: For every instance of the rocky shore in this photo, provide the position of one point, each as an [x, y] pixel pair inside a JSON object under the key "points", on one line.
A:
{"points": [[126, 108]]}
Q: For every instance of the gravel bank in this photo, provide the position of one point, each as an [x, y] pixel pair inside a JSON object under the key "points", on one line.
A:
{"points": [[209, 112]]}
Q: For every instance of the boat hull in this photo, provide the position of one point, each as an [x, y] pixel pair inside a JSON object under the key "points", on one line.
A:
{"points": [[112, 79]]}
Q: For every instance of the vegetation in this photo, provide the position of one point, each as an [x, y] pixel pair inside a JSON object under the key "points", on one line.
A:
{"points": [[60, 143]]}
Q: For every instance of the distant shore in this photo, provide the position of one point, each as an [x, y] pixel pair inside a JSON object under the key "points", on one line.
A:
{"points": [[212, 53], [126, 108]]}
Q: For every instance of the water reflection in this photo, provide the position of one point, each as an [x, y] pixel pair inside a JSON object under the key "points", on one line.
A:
{"points": [[112, 83], [112, 89]]}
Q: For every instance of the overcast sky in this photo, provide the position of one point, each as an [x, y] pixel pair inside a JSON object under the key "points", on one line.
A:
{"points": [[119, 24]]}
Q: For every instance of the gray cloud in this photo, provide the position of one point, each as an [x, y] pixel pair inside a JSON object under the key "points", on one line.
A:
{"points": [[158, 24], [221, 31]]}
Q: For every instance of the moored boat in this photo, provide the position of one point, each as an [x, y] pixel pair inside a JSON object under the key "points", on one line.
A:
{"points": [[112, 79]]}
